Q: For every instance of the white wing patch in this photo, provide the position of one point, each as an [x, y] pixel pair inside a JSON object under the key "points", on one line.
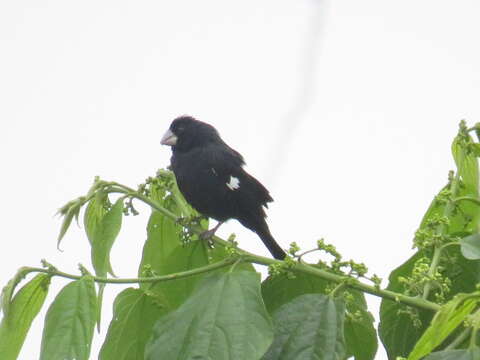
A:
{"points": [[234, 183]]}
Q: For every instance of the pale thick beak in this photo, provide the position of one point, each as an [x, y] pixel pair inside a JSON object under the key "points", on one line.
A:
{"points": [[169, 138]]}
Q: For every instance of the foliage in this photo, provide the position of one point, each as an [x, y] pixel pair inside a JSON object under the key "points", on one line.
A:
{"points": [[199, 299]]}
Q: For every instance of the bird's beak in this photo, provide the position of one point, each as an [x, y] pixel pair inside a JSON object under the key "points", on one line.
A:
{"points": [[169, 138]]}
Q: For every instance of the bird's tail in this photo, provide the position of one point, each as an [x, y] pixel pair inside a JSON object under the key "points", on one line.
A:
{"points": [[272, 246]]}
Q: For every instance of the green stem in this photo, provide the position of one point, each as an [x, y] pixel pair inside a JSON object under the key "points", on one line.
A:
{"points": [[175, 193], [156, 206], [444, 246], [441, 229], [153, 204], [473, 337], [152, 279], [114, 183], [351, 283], [468, 198], [437, 255], [299, 256], [249, 257], [459, 339], [337, 289], [471, 330]]}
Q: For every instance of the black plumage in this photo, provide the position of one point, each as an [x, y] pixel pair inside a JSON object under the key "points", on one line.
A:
{"points": [[211, 177]]}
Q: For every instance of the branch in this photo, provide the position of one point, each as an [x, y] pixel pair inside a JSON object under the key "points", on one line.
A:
{"points": [[468, 198], [440, 230], [246, 256], [349, 282], [151, 279]]}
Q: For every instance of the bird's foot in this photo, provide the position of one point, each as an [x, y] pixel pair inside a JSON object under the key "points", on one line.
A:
{"points": [[207, 236]]}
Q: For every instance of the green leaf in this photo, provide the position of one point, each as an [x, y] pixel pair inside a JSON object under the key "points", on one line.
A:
{"points": [[105, 234], [464, 354], [94, 213], [281, 289], [7, 290], [360, 333], [476, 147], [463, 273], [224, 319], [466, 161], [70, 322], [463, 221], [67, 220], [68, 211], [92, 220], [175, 201], [134, 313], [24, 308], [309, 327], [446, 320], [163, 236], [396, 328], [6, 296], [477, 130], [187, 257], [470, 247], [165, 253], [192, 255], [101, 289]]}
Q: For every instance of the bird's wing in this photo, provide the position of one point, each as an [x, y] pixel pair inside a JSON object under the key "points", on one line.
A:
{"points": [[235, 182], [213, 181]]}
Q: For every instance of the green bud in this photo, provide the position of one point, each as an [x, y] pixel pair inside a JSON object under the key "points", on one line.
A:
{"points": [[293, 248]]}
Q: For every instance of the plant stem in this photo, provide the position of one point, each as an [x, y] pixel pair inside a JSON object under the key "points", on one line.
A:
{"points": [[464, 335], [152, 279], [153, 204], [447, 211], [473, 337], [459, 339], [468, 198], [249, 257], [351, 283], [337, 289]]}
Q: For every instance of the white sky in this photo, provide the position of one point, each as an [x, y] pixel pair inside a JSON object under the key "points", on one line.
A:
{"points": [[344, 109]]}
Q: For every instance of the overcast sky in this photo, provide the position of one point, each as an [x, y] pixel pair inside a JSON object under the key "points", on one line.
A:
{"points": [[344, 109]]}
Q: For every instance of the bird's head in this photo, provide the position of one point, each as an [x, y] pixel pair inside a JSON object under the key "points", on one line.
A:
{"points": [[186, 133]]}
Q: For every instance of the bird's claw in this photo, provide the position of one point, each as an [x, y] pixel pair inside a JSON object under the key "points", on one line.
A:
{"points": [[207, 236]]}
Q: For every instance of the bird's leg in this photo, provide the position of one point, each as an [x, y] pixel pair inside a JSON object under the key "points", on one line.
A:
{"points": [[207, 235]]}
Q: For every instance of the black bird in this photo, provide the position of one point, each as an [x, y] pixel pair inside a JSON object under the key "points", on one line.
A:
{"points": [[211, 177]]}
